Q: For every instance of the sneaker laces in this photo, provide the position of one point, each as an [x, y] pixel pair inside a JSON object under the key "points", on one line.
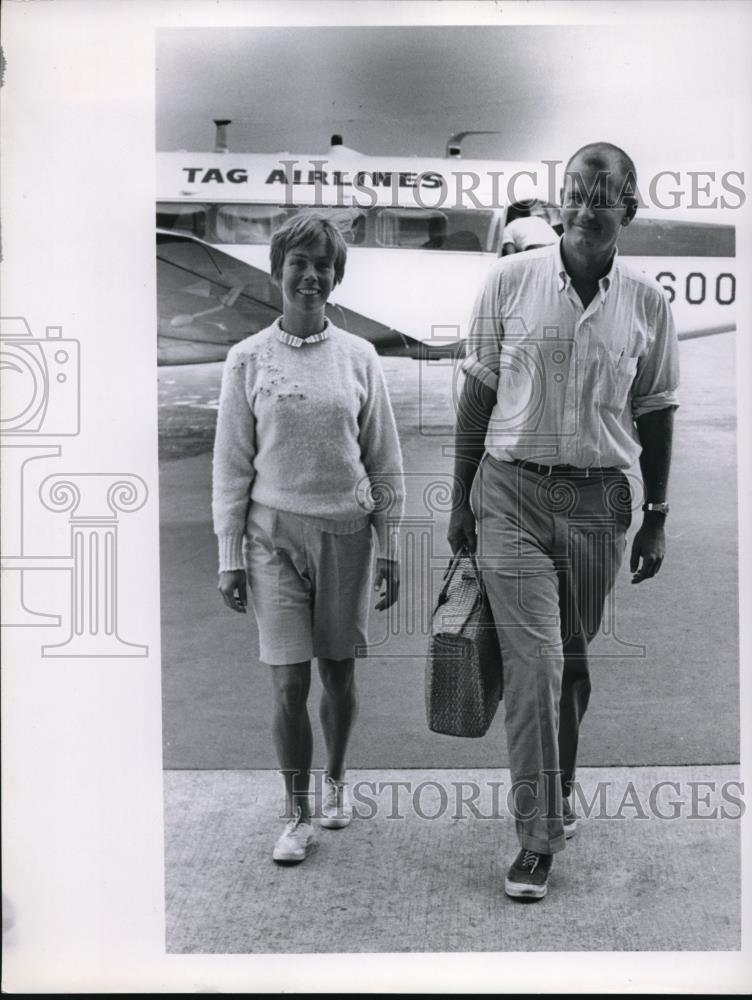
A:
{"points": [[334, 793], [294, 827], [530, 860]]}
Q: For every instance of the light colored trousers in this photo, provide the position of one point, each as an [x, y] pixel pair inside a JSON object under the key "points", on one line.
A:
{"points": [[549, 549]]}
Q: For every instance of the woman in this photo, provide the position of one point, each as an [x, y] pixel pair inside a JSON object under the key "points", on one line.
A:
{"points": [[305, 440]]}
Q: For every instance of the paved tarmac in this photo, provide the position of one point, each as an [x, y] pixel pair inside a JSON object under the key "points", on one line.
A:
{"points": [[418, 871]]}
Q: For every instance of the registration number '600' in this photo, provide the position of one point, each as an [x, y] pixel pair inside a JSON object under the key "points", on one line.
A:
{"points": [[696, 287]]}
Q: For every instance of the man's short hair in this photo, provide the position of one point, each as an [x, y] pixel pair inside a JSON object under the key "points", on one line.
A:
{"points": [[301, 231], [602, 156]]}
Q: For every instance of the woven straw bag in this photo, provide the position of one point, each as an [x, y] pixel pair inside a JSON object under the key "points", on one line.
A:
{"points": [[463, 670]]}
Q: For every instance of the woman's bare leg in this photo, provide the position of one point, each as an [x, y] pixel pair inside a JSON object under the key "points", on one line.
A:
{"points": [[291, 729], [337, 711]]}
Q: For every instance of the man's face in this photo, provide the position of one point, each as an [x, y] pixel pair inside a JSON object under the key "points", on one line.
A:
{"points": [[592, 207]]}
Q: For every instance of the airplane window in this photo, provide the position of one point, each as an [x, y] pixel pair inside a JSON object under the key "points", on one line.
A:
{"points": [[469, 231], [256, 224], [427, 229], [248, 223], [189, 219], [409, 228]]}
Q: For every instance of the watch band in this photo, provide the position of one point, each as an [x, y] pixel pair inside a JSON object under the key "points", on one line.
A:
{"points": [[656, 508]]}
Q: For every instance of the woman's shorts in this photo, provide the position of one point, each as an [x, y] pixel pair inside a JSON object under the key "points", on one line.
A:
{"points": [[309, 587]]}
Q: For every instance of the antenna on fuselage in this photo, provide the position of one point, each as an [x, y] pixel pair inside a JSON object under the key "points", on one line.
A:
{"points": [[337, 148], [220, 143], [454, 142]]}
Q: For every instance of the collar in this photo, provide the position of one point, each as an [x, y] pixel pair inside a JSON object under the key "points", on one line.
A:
{"points": [[293, 341], [565, 280]]}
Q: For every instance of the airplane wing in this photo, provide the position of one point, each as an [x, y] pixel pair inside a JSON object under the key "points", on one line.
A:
{"points": [[208, 300]]}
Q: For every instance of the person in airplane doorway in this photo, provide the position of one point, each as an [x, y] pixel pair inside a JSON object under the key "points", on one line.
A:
{"points": [[527, 228], [571, 374], [307, 465]]}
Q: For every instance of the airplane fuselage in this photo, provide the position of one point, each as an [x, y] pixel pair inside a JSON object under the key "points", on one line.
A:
{"points": [[422, 232]]}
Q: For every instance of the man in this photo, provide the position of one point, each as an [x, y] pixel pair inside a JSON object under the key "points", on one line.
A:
{"points": [[527, 228], [571, 374]]}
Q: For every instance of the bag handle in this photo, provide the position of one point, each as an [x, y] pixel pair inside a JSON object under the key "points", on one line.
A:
{"points": [[447, 578], [461, 553], [476, 569]]}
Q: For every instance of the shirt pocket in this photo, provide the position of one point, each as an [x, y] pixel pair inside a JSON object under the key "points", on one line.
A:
{"points": [[616, 374]]}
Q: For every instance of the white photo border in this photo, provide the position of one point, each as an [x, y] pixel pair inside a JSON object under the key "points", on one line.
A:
{"points": [[82, 738]]}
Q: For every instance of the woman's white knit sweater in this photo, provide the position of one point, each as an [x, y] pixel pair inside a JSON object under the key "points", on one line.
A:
{"points": [[305, 426]]}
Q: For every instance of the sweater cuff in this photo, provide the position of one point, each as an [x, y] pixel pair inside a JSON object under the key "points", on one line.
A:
{"points": [[388, 537], [230, 551]]}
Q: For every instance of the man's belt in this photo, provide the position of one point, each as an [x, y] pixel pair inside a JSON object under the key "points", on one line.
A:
{"points": [[562, 470]]}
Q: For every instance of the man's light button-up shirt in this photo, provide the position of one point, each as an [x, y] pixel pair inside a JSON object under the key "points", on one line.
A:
{"points": [[570, 381]]}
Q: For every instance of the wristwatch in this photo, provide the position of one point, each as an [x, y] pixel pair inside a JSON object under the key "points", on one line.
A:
{"points": [[656, 508]]}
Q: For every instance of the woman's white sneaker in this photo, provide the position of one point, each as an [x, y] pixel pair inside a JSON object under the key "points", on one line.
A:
{"points": [[296, 841], [336, 810]]}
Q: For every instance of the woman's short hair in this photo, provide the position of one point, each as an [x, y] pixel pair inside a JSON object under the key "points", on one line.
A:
{"points": [[301, 231]]}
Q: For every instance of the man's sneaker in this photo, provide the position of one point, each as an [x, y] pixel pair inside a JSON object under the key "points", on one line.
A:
{"points": [[570, 820], [336, 811], [528, 876], [297, 840]]}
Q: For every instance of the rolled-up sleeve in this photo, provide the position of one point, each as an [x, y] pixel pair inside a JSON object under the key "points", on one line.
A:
{"points": [[657, 381], [485, 333]]}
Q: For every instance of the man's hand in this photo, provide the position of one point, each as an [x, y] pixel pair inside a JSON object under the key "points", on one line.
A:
{"points": [[232, 587], [388, 577], [461, 533], [649, 545]]}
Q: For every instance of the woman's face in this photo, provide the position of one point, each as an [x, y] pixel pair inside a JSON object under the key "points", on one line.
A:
{"points": [[307, 277]]}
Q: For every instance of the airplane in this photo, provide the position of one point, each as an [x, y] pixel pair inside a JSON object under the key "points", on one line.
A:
{"points": [[421, 234]]}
